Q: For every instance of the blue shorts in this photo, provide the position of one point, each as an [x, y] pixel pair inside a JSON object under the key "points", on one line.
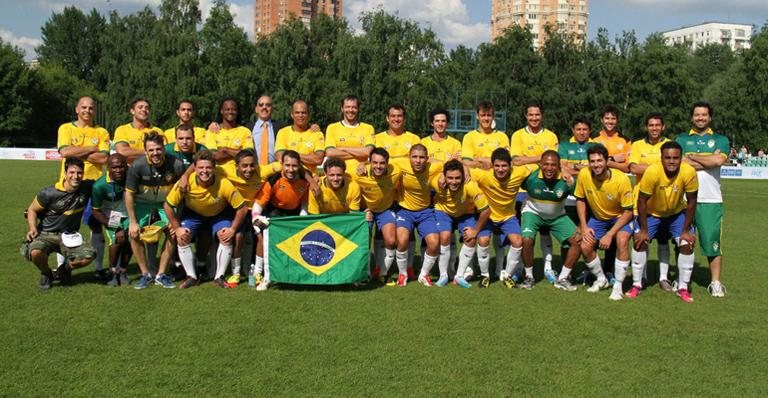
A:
{"points": [[601, 227], [194, 222], [383, 218], [424, 220], [446, 223], [507, 227], [664, 228]]}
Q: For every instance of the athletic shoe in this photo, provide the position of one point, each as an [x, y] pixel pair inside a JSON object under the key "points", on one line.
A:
{"points": [[616, 295], [220, 282], [685, 295], [528, 283], [508, 282], [716, 289], [565, 284], [257, 279], [115, 281], [485, 281], [376, 272], [189, 282], [263, 286], [459, 281], [411, 274], [123, 278], [65, 275], [469, 273], [442, 281], [45, 281], [550, 275], [143, 282], [599, 285], [233, 281], [666, 286], [402, 280], [633, 292], [502, 275], [425, 281], [165, 281]]}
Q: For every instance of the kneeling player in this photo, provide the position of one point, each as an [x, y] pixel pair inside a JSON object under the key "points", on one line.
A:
{"points": [[662, 209], [608, 194], [209, 200], [461, 207]]}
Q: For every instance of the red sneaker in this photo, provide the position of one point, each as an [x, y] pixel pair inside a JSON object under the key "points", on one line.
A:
{"points": [[634, 292], [685, 295], [402, 280], [425, 281]]}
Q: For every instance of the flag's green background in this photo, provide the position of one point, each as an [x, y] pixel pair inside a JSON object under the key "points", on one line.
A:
{"points": [[346, 235], [91, 340]]}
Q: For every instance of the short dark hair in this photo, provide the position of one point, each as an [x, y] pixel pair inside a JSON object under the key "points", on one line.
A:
{"points": [[671, 145], [654, 115], [484, 105], [703, 104], [350, 97], [501, 154], [599, 149], [185, 101], [153, 136], [533, 104], [610, 108], [136, 100], [439, 111], [244, 153], [290, 153], [418, 147], [73, 161], [381, 152], [454, 164], [581, 119], [396, 106], [334, 162], [186, 127], [116, 155], [205, 155], [551, 152]]}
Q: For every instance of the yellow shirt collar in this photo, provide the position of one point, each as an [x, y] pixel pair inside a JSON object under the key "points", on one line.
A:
{"points": [[707, 131]]}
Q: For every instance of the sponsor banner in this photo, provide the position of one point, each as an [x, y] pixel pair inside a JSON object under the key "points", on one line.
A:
{"points": [[29, 154], [744, 173]]}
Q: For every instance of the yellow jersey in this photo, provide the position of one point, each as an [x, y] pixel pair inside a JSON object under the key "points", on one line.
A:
{"points": [[667, 195], [338, 135], [71, 135], [206, 201], [334, 201], [416, 193], [501, 195], [398, 146], [525, 143], [127, 134], [378, 193], [468, 200], [443, 150], [303, 142], [643, 152], [236, 138], [607, 199], [477, 144], [170, 135], [250, 187]]}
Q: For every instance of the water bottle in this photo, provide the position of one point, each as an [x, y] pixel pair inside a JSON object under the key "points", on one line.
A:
{"points": [[252, 276]]}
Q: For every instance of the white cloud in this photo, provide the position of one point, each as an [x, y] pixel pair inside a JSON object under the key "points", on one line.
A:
{"points": [[449, 19], [26, 44]]}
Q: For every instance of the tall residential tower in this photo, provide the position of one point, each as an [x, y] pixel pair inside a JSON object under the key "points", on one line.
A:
{"points": [[268, 14], [569, 16]]}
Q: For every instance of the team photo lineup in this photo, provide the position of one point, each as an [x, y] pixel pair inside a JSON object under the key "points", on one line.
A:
{"points": [[191, 203]]}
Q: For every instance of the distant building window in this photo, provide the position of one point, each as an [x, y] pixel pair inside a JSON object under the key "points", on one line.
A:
{"points": [[740, 33], [532, 16]]}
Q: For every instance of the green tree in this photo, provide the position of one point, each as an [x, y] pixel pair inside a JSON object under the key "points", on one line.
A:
{"points": [[15, 83]]}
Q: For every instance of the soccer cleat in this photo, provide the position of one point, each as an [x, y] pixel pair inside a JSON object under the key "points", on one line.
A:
{"points": [[189, 282], [123, 278], [633, 292], [485, 281], [263, 286], [565, 284], [666, 286], [65, 275], [506, 279], [685, 295], [143, 282], [550, 275], [528, 283], [503, 275], [599, 285], [442, 281], [411, 274], [165, 281], [233, 281], [115, 281], [402, 280], [425, 281], [220, 282], [716, 289], [616, 294], [459, 281], [45, 281], [469, 273]]}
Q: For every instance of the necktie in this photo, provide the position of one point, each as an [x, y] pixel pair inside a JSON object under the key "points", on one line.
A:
{"points": [[264, 150]]}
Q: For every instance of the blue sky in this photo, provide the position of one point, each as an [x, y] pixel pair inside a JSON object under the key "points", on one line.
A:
{"points": [[456, 22]]}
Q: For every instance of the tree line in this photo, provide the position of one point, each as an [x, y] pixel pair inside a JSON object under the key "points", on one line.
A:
{"points": [[170, 53]]}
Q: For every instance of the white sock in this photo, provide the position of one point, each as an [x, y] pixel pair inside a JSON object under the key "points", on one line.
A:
{"points": [[596, 268], [545, 243], [401, 258], [685, 269], [389, 258], [662, 250], [445, 258], [451, 256], [513, 260], [60, 259], [223, 255], [427, 264], [566, 272], [188, 260], [529, 272], [259, 264], [465, 258], [97, 241], [621, 270], [236, 266], [638, 266], [499, 250], [484, 259]]}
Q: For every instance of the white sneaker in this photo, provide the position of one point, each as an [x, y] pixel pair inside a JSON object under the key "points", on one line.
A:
{"points": [[599, 285], [469, 273], [616, 295], [503, 275], [716, 289], [263, 286]]}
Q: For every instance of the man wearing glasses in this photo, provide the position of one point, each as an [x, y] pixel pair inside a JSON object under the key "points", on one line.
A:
{"points": [[263, 131]]}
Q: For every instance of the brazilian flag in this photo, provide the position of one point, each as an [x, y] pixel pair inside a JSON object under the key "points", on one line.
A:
{"points": [[325, 249]]}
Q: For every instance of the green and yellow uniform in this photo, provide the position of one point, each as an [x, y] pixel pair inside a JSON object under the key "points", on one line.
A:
{"points": [[72, 135], [170, 135], [107, 197], [398, 146], [334, 201], [575, 153], [186, 158], [477, 144], [339, 135], [545, 206]]}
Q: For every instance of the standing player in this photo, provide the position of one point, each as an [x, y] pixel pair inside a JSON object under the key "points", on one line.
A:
{"points": [[545, 207], [707, 151], [210, 200], [310, 145], [396, 140], [617, 145], [666, 204], [109, 210], [129, 138], [337, 195], [643, 153], [478, 145], [53, 219], [349, 139], [440, 146], [604, 205], [185, 144], [149, 180], [460, 206], [186, 112], [230, 138]]}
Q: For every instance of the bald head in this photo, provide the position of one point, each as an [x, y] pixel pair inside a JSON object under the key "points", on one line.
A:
{"points": [[85, 109]]}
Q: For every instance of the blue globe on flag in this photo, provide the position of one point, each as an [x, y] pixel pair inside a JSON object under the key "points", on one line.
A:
{"points": [[317, 248]]}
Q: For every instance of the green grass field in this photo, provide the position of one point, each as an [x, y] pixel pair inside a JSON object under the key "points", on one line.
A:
{"points": [[92, 340]]}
